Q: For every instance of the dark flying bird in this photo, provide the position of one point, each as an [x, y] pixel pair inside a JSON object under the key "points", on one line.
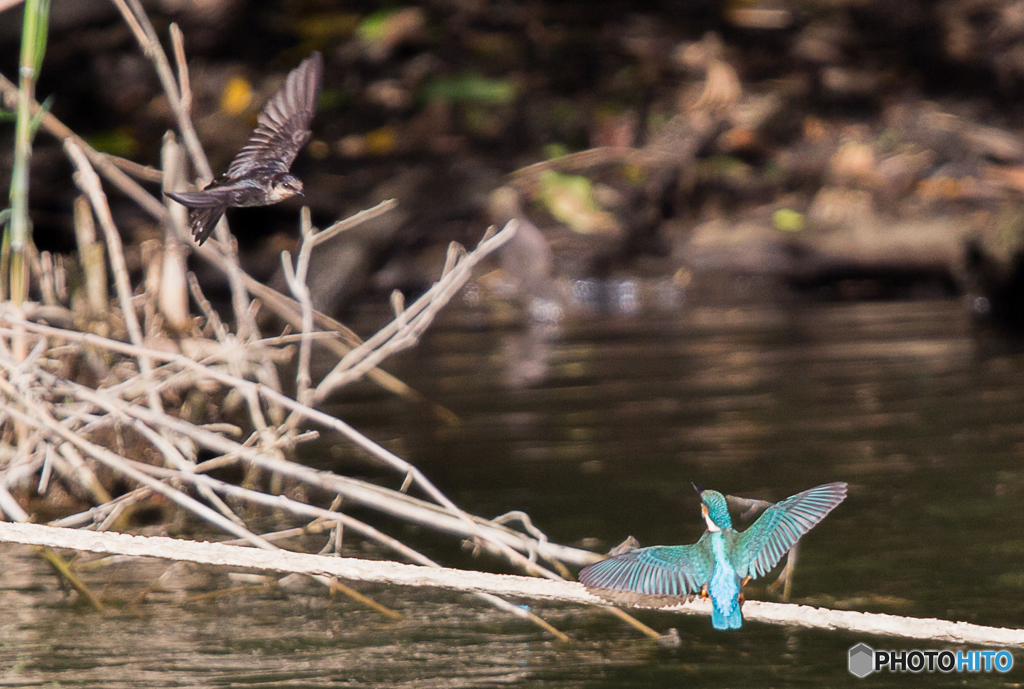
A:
{"points": [[258, 176], [723, 560]]}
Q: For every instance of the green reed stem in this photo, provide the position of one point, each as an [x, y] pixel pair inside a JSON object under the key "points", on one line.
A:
{"points": [[18, 231]]}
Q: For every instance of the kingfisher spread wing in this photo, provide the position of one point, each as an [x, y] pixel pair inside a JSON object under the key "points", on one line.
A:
{"points": [[760, 547], [661, 570], [719, 563], [258, 175]]}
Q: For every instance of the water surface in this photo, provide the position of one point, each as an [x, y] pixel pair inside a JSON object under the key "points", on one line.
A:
{"points": [[596, 428]]}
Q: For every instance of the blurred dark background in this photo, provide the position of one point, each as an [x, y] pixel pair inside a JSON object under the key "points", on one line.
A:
{"points": [[854, 117]]}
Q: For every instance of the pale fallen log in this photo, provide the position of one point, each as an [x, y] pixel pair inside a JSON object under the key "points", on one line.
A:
{"points": [[387, 572]]}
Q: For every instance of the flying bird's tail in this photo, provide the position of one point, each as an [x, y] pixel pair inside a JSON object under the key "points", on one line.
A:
{"points": [[203, 220], [205, 211], [193, 199]]}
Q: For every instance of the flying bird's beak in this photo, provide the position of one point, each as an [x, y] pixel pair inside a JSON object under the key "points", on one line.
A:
{"points": [[697, 488]]}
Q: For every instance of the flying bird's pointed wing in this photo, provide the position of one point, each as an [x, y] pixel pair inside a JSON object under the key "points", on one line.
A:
{"points": [[661, 570], [760, 547], [283, 127]]}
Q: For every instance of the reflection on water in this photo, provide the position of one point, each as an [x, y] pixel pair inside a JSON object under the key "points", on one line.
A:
{"points": [[601, 440]]}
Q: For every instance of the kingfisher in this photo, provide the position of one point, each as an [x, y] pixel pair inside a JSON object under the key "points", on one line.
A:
{"points": [[258, 175], [723, 560]]}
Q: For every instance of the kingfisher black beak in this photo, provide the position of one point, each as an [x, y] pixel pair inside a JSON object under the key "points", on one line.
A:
{"points": [[700, 491]]}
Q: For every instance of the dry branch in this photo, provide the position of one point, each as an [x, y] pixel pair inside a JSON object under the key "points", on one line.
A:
{"points": [[495, 584], [284, 307], [59, 421], [81, 410]]}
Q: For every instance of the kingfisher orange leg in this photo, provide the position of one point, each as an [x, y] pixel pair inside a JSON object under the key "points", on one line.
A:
{"points": [[743, 583]]}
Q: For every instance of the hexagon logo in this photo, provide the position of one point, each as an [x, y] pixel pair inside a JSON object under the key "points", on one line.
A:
{"points": [[862, 660]]}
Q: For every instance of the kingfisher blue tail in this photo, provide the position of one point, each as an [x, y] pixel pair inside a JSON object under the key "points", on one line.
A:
{"points": [[721, 620]]}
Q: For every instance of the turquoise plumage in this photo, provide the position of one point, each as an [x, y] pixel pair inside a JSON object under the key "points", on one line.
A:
{"points": [[720, 562]]}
